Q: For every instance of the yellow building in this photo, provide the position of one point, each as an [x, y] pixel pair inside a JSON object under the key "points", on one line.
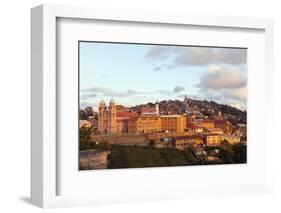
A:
{"points": [[217, 139], [173, 123], [214, 130], [208, 124], [110, 120], [230, 139], [183, 142], [146, 124], [158, 135], [132, 125], [213, 140]]}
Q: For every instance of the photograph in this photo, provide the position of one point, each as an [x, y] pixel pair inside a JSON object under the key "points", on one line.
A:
{"points": [[161, 105]]}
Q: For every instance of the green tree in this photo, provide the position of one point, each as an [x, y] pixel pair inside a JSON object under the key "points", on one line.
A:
{"points": [[190, 157], [85, 135], [240, 153], [226, 155]]}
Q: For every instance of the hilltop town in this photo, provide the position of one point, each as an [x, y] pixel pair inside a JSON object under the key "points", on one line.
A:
{"points": [[194, 131]]}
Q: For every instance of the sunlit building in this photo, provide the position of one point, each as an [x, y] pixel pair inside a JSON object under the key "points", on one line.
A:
{"points": [[173, 123], [182, 142], [223, 124], [107, 118], [148, 123], [217, 139]]}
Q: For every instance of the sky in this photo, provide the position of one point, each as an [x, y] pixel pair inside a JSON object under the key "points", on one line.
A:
{"points": [[134, 74]]}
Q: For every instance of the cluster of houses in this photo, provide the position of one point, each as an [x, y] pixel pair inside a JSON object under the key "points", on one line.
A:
{"points": [[179, 131]]}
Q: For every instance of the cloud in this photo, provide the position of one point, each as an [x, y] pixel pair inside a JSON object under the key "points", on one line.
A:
{"points": [[163, 67], [87, 96], [84, 104], [217, 78], [103, 91], [195, 56], [237, 94], [207, 55], [178, 89], [164, 92], [223, 85], [157, 68], [158, 52]]}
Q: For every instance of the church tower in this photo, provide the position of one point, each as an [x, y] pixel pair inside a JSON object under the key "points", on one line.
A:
{"points": [[186, 104], [102, 118], [112, 124], [157, 108]]}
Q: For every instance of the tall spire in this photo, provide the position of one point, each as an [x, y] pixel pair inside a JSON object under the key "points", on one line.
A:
{"points": [[186, 104], [157, 107]]}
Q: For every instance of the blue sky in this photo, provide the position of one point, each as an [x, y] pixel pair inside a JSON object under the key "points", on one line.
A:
{"points": [[133, 73]]}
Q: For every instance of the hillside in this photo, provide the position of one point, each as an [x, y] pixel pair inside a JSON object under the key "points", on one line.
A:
{"points": [[203, 107]]}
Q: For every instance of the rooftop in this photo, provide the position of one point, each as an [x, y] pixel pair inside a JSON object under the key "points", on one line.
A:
{"points": [[214, 129], [170, 116], [126, 114]]}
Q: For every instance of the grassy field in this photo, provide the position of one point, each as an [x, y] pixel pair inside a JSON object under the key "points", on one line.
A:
{"points": [[137, 157]]}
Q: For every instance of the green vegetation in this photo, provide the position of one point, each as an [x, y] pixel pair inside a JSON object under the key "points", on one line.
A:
{"points": [[137, 157], [190, 157], [229, 154], [85, 135], [240, 153]]}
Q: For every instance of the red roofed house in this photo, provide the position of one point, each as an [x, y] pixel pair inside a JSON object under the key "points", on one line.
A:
{"points": [[208, 123], [192, 127], [224, 124], [122, 120]]}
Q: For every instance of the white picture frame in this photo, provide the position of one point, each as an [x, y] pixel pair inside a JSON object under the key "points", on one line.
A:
{"points": [[44, 153]]}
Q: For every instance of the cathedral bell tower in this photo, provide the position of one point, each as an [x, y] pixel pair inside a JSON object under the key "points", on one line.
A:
{"points": [[102, 118], [112, 124], [157, 108]]}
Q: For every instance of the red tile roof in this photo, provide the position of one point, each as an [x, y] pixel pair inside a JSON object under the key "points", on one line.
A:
{"points": [[189, 125], [148, 109], [192, 126], [126, 115], [149, 116], [220, 121], [214, 129], [207, 121]]}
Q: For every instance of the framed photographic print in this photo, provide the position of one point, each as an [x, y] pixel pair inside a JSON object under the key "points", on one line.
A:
{"points": [[147, 119], [149, 106]]}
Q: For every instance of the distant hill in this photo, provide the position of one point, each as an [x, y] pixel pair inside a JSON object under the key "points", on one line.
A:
{"points": [[204, 107]]}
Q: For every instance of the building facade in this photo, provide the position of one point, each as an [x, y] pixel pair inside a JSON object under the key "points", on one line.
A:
{"points": [[173, 123], [182, 142], [217, 139], [148, 124], [107, 118], [112, 121]]}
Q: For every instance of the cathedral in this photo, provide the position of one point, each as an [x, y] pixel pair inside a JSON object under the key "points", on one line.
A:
{"points": [[107, 118], [111, 120]]}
